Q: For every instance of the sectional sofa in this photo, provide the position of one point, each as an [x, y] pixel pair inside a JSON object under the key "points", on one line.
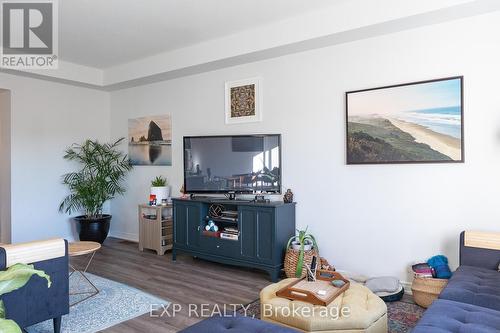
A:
{"points": [[471, 300]]}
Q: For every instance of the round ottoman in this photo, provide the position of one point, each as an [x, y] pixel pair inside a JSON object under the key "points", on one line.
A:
{"points": [[357, 310]]}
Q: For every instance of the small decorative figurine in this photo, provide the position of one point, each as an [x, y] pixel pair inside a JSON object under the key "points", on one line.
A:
{"points": [[211, 226], [288, 197]]}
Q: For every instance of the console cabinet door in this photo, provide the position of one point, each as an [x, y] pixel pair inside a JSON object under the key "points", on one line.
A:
{"points": [[180, 225], [248, 232], [257, 233], [187, 220], [193, 225], [265, 234]]}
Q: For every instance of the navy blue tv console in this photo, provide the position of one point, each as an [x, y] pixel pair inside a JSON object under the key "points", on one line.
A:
{"points": [[264, 231]]}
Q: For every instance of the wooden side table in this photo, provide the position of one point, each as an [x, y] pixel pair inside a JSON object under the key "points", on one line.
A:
{"points": [[80, 249], [155, 228]]}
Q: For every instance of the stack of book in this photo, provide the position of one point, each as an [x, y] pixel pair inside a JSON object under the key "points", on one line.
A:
{"points": [[230, 233], [423, 270], [229, 215]]}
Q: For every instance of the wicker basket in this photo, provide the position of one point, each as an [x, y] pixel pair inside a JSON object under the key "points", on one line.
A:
{"points": [[291, 259], [426, 290]]}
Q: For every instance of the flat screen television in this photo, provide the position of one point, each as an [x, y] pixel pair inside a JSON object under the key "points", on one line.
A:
{"points": [[232, 164]]}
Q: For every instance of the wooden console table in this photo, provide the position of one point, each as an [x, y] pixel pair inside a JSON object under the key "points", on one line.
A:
{"points": [[155, 228]]}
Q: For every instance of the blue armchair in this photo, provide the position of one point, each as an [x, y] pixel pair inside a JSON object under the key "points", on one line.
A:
{"points": [[34, 302]]}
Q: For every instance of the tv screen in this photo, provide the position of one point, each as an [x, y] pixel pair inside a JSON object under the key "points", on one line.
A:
{"points": [[241, 164]]}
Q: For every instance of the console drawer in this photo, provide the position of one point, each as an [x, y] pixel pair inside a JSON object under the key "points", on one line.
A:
{"points": [[221, 247]]}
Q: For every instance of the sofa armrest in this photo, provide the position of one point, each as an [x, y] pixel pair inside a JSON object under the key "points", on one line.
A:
{"points": [[31, 252], [480, 249]]}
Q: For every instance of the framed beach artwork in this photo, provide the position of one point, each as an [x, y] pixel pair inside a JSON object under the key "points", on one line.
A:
{"points": [[420, 122], [243, 102], [150, 140]]}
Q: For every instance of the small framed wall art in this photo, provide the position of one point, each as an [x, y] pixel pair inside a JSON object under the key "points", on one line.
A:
{"points": [[243, 101], [150, 140]]}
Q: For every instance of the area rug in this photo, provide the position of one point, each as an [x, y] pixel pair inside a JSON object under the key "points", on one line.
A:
{"points": [[115, 303], [402, 315]]}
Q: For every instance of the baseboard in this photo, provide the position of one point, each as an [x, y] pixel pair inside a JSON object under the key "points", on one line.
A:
{"points": [[125, 236], [362, 278], [407, 286]]}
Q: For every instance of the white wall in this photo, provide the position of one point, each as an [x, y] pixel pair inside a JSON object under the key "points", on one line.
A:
{"points": [[46, 118], [373, 219], [5, 166]]}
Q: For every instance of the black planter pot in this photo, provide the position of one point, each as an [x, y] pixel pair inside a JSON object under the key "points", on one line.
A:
{"points": [[95, 230]]}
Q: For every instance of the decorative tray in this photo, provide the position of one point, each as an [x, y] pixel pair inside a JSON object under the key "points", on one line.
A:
{"points": [[305, 291]]}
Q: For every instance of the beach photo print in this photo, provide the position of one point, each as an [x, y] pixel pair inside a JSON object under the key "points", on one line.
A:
{"points": [[420, 122]]}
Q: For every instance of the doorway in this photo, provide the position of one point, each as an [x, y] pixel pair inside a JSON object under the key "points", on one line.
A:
{"points": [[5, 166]]}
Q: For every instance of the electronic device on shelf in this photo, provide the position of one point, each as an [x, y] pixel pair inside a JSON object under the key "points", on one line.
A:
{"points": [[261, 198], [232, 165]]}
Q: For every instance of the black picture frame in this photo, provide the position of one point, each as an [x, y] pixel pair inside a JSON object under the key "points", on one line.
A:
{"points": [[350, 161]]}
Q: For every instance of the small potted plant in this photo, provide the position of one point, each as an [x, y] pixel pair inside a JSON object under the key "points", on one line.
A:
{"points": [[103, 169], [300, 249], [160, 189]]}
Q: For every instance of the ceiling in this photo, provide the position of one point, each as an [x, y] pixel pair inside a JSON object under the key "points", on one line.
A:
{"points": [[103, 34], [116, 44]]}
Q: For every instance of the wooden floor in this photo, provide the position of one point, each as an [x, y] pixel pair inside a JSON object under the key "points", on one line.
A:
{"points": [[186, 281]]}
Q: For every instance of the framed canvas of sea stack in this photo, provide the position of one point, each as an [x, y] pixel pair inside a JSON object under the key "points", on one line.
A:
{"points": [[420, 122], [150, 140], [243, 101]]}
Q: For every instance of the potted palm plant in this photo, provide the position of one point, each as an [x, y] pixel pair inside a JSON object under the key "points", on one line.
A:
{"points": [[15, 277], [300, 249], [100, 178]]}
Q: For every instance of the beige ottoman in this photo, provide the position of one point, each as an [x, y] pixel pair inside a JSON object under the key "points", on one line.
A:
{"points": [[357, 310]]}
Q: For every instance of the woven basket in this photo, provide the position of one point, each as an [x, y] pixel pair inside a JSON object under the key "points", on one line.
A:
{"points": [[292, 258], [426, 290]]}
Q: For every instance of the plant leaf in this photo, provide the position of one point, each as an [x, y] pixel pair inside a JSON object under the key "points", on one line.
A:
{"points": [[17, 276], [314, 243], [9, 326], [300, 262]]}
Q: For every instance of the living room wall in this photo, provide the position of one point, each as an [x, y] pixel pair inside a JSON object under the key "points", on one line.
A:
{"points": [[46, 118], [373, 219]]}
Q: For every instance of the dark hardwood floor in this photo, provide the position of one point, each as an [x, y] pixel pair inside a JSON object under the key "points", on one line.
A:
{"points": [[185, 281]]}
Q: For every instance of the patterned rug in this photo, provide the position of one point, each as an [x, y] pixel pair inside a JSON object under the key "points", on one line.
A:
{"points": [[403, 315], [115, 303]]}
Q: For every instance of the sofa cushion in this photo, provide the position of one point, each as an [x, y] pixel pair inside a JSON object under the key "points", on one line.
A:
{"points": [[236, 324], [448, 316], [474, 285]]}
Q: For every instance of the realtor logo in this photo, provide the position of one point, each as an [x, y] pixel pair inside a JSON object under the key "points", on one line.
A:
{"points": [[29, 34]]}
